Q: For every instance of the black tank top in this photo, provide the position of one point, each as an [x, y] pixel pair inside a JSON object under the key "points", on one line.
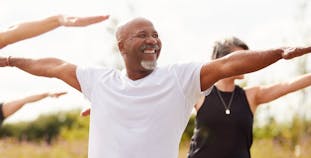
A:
{"points": [[218, 135]]}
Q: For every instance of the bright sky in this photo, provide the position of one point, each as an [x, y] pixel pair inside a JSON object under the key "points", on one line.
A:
{"points": [[187, 30]]}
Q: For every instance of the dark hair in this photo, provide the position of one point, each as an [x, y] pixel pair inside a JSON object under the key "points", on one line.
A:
{"points": [[224, 47]]}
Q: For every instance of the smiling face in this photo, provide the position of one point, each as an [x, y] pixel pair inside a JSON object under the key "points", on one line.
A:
{"points": [[139, 45]]}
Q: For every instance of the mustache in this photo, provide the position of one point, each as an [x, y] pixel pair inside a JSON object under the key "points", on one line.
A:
{"points": [[150, 46]]}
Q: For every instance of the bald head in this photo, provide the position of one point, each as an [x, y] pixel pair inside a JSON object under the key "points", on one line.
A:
{"points": [[124, 30], [140, 46]]}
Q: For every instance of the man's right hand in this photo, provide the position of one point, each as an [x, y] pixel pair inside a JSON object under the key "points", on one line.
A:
{"points": [[292, 52]]}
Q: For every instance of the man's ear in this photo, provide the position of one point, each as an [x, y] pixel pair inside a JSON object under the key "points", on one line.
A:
{"points": [[121, 47]]}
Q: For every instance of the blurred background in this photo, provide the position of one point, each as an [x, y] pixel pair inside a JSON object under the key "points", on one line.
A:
{"points": [[53, 127]]}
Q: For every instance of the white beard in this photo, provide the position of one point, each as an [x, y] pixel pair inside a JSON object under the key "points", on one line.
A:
{"points": [[149, 65]]}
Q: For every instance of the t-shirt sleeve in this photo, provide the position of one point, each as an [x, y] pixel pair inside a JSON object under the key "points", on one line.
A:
{"points": [[188, 76], [88, 78]]}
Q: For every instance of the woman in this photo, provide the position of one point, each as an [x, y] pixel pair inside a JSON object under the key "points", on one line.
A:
{"points": [[224, 118], [10, 107]]}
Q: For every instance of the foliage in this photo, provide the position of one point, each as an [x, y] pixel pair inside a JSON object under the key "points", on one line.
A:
{"points": [[11, 148], [287, 134], [78, 131], [45, 128], [189, 129], [68, 133]]}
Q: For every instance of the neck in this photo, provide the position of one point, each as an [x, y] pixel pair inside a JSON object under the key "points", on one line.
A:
{"points": [[136, 75], [226, 85]]}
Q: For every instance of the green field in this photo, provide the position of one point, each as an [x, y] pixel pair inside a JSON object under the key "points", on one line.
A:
{"points": [[10, 148], [65, 135]]}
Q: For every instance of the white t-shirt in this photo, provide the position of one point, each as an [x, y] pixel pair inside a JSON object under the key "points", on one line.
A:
{"points": [[144, 118]]}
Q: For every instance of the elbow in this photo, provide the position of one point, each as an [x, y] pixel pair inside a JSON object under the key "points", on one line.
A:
{"points": [[46, 73], [2, 45]]}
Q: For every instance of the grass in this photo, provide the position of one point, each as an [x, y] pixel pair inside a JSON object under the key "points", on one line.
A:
{"points": [[78, 149], [268, 148], [61, 149]]}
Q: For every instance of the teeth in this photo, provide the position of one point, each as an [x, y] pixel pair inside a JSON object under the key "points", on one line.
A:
{"points": [[149, 51]]}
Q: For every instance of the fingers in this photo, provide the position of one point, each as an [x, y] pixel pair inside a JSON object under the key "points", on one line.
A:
{"points": [[290, 52], [60, 94], [93, 20], [83, 21], [85, 112], [56, 95]]}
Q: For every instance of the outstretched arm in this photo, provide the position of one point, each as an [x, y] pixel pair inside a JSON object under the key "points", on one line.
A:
{"points": [[264, 94], [34, 28], [46, 67], [244, 61], [11, 107]]}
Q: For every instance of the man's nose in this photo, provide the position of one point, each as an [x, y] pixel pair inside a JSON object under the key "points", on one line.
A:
{"points": [[151, 40]]}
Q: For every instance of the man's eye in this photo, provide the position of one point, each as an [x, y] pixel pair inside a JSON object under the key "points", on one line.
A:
{"points": [[155, 35], [141, 35]]}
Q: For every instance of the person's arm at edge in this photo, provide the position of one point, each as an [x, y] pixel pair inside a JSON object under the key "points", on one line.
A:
{"points": [[244, 61], [34, 28], [265, 94], [46, 67], [11, 107]]}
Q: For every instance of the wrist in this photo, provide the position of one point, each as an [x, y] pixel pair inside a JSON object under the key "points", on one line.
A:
{"points": [[279, 52], [286, 50], [8, 61], [59, 20], [48, 95]]}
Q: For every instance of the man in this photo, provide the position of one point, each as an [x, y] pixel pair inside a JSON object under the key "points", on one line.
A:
{"points": [[143, 111], [34, 28], [10, 107]]}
